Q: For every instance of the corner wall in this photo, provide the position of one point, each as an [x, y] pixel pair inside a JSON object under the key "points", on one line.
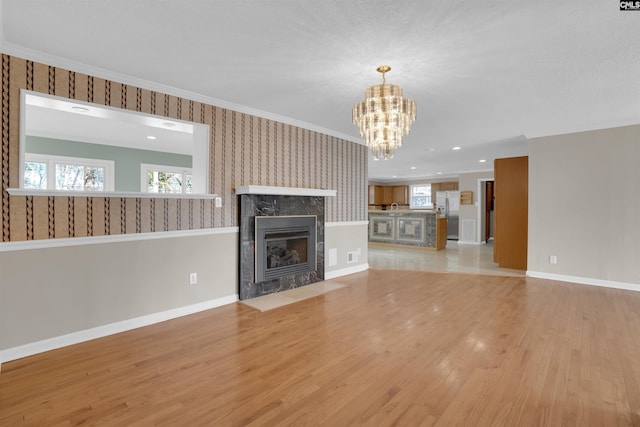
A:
{"points": [[584, 204]]}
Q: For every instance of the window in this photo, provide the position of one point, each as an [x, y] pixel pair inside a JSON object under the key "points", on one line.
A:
{"points": [[46, 172], [165, 179], [421, 196]]}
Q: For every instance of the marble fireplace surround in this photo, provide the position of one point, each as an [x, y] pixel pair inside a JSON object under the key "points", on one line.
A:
{"points": [[256, 200]]}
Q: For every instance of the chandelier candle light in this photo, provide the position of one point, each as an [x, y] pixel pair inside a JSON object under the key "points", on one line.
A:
{"points": [[384, 117]]}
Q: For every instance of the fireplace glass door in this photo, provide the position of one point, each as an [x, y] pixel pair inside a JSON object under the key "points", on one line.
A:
{"points": [[284, 246], [285, 249]]}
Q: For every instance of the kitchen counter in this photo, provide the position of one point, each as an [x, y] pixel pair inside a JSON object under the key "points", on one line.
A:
{"points": [[408, 227]]}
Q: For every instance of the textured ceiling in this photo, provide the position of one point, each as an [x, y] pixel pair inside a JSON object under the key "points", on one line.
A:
{"points": [[486, 75]]}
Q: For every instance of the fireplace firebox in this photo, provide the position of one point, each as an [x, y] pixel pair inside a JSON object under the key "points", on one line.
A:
{"points": [[285, 246]]}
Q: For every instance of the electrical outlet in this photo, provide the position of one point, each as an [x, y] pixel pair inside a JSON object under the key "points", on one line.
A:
{"points": [[193, 278], [553, 259], [352, 257]]}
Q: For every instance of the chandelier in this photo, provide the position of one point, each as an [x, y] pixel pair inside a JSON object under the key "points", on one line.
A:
{"points": [[384, 117]]}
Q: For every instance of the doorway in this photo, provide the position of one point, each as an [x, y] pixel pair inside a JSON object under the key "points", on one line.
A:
{"points": [[486, 204], [488, 211]]}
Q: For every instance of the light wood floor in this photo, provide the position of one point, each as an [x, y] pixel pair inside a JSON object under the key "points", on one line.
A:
{"points": [[404, 348]]}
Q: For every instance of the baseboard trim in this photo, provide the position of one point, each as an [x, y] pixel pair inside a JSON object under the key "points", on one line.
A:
{"points": [[585, 281], [328, 275], [110, 329]]}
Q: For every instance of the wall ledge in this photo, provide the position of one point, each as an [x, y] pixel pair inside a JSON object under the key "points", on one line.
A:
{"points": [[115, 194], [110, 329], [585, 281], [112, 238]]}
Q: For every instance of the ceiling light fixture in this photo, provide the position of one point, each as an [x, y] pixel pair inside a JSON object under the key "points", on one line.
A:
{"points": [[80, 109], [457, 148], [482, 161], [384, 117], [151, 137]]}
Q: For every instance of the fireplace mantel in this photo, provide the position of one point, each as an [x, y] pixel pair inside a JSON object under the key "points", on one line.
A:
{"points": [[284, 191]]}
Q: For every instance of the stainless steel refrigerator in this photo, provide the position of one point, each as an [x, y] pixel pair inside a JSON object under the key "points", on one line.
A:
{"points": [[448, 204]]}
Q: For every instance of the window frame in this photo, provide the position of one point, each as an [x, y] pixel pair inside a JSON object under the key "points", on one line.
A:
{"points": [[411, 196], [149, 167], [51, 160]]}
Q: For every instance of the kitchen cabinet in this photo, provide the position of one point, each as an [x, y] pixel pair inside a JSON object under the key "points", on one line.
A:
{"points": [[401, 194], [466, 197], [388, 194], [375, 194], [441, 233], [444, 186]]}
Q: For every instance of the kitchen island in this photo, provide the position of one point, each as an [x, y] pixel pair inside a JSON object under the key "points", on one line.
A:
{"points": [[408, 227]]}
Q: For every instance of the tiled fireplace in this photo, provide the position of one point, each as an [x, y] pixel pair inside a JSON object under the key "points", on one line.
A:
{"points": [[281, 238]]}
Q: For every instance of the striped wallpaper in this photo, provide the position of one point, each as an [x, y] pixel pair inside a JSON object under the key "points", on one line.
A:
{"points": [[244, 150]]}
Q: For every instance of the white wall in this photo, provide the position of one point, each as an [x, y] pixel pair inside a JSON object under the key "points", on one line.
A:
{"points": [[584, 207], [469, 182], [343, 238], [52, 296]]}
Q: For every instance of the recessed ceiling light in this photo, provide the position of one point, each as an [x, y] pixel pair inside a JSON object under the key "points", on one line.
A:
{"points": [[395, 176], [482, 161], [80, 109], [439, 173], [151, 137], [456, 148], [169, 124], [413, 167]]}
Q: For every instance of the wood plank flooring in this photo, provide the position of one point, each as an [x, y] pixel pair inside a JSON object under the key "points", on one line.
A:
{"points": [[405, 348]]}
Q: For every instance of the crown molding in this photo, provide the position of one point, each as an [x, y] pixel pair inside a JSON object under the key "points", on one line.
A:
{"points": [[56, 61]]}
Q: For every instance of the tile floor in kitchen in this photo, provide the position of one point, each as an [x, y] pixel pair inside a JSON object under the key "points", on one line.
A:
{"points": [[462, 258]]}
